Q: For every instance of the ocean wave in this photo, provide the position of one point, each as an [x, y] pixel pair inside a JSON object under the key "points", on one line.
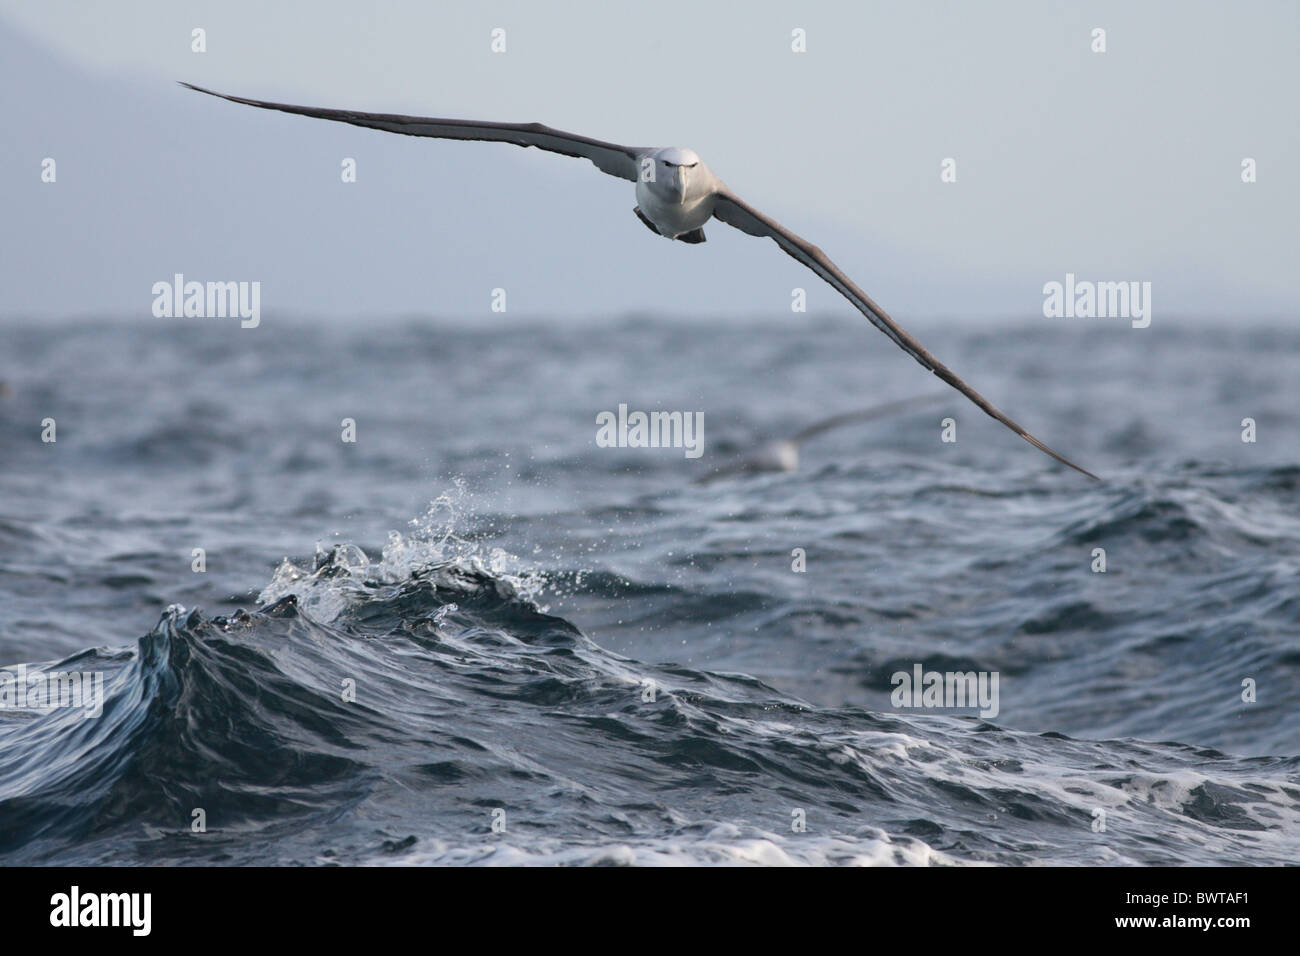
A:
{"points": [[470, 704]]}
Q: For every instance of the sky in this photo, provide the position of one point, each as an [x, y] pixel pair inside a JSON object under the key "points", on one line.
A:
{"points": [[1122, 165]]}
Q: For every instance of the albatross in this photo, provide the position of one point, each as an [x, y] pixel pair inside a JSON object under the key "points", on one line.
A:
{"points": [[782, 454], [676, 194]]}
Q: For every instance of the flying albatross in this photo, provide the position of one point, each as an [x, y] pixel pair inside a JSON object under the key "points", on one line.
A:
{"points": [[782, 454], [676, 195]]}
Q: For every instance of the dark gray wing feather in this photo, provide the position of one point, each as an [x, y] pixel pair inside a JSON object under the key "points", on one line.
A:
{"points": [[731, 209], [862, 415], [620, 161]]}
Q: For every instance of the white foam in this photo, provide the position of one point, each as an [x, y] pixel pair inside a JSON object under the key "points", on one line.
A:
{"points": [[725, 845], [347, 572]]}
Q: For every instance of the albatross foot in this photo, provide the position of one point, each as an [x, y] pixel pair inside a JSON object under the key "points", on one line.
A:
{"points": [[695, 235], [646, 219]]}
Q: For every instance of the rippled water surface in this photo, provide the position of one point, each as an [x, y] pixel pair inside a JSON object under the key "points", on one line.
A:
{"points": [[614, 661]]}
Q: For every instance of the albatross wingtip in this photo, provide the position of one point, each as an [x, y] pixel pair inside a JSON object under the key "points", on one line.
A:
{"points": [[200, 89], [1061, 458]]}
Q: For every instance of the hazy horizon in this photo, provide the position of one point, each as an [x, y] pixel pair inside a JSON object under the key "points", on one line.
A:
{"points": [[1114, 166]]}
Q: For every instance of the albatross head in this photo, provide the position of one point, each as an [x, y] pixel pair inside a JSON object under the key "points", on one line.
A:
{"points": [[675, 167], [677, 156]]}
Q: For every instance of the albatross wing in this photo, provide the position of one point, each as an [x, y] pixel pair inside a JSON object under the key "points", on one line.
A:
{"points": [[620, 161], [734, 211]]}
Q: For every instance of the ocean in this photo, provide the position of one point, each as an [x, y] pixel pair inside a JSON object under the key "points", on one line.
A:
{"points": [[373, 592]]}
